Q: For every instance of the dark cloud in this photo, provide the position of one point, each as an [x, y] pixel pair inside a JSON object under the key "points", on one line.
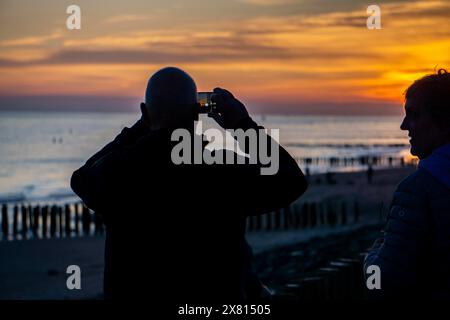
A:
{"points": [[325, 107], [149, 56], [12, 63], [69, 103], [202, 52], [131, 104], [401, 12]]}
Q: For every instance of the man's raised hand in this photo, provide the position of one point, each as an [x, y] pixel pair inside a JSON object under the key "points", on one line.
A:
{"points": [[229, 109]]}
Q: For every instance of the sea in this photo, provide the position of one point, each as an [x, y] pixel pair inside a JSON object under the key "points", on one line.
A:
{"points": [[40, 150]]}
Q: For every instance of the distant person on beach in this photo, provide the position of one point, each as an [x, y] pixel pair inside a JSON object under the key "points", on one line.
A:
{"points": [[176, 232], [414, 253]]}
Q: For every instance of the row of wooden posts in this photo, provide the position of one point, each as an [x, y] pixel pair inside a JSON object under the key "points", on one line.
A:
{"points": [[76, 219], [341, 279], [49, 221], [307, 215], [362, 160]]}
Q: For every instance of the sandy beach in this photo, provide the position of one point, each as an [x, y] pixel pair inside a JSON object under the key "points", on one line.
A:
{"points": [[36, 269]]}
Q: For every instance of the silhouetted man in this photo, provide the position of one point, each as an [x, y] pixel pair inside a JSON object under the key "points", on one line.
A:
{"points": [[178, 230], [414, 253]]}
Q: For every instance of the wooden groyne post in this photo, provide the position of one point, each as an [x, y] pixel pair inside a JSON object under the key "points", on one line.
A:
{"points": [[5, 222], [24, 211], [67, 220]]}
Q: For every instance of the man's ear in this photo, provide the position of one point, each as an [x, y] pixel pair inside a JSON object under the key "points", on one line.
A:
{"points": [[144, 112], [196, 111]]}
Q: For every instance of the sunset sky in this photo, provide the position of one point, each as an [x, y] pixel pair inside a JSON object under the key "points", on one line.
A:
{"points": [[278, 56]]}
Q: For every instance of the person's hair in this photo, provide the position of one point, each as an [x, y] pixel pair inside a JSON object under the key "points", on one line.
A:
{"points": [[433, 91]]}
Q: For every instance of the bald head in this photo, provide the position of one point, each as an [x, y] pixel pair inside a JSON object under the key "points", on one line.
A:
{"points": [[170, 98]]}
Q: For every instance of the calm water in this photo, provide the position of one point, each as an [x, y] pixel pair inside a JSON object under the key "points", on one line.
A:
{"points": [[39, 151]]}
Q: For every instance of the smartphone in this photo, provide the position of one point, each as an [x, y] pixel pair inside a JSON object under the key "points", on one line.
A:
{"points": [[204, 100]]}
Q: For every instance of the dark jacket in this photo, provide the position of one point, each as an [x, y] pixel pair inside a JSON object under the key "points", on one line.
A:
{"points": [[178, 230], [414, 258]]}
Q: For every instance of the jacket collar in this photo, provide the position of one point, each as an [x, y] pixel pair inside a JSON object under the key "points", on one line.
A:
{"points": [[438, 164]]}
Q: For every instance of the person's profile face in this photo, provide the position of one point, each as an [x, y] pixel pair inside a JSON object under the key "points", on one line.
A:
{"points": [[424, 134]]}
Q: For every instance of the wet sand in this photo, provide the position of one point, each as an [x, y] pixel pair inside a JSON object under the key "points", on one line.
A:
{"points": [[36, 269]]}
